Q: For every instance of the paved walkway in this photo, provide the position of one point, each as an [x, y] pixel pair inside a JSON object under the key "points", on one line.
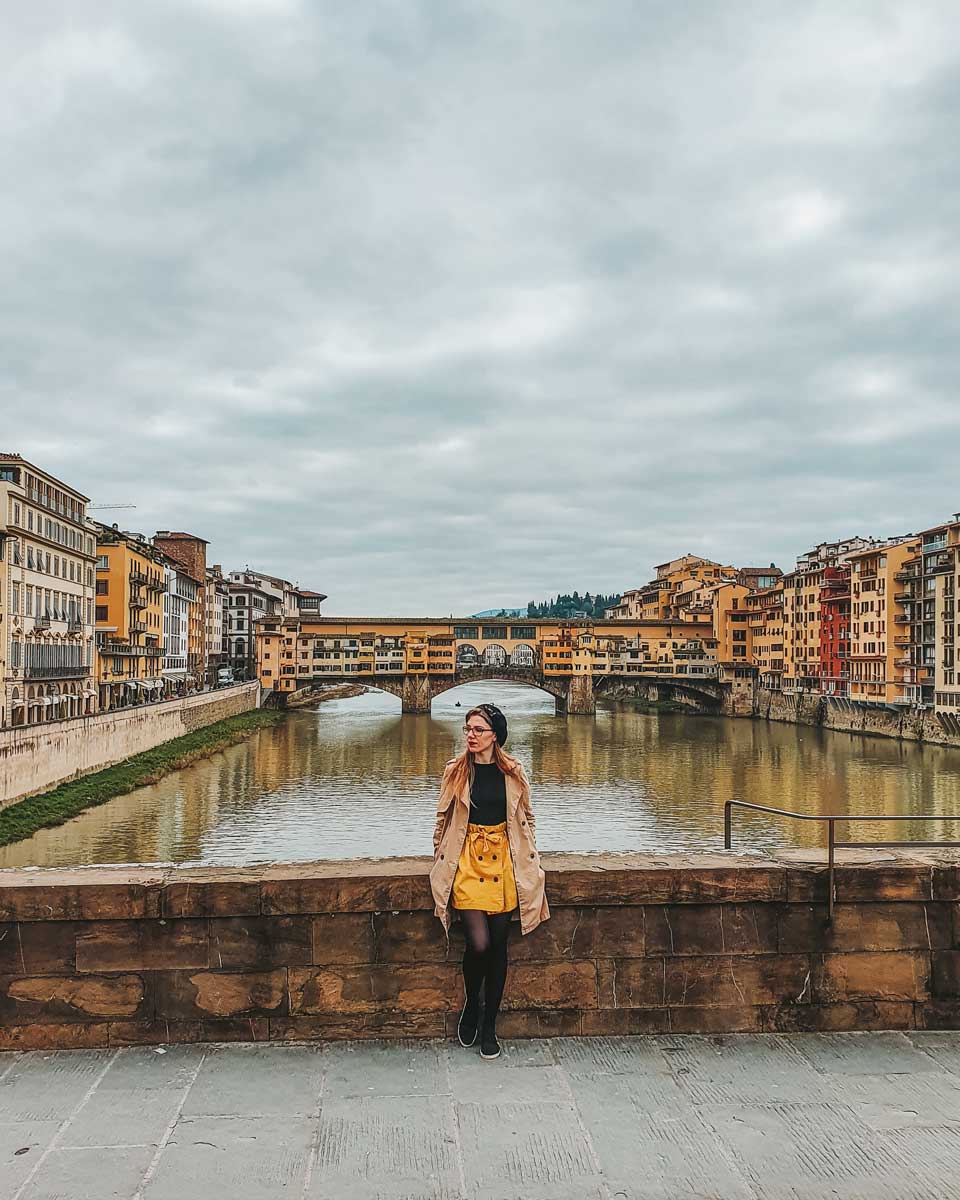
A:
{"points": [[871, 1116]]}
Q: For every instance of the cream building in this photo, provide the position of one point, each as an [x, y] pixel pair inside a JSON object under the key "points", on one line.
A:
{"points": [[48, 554], [880, 637]]}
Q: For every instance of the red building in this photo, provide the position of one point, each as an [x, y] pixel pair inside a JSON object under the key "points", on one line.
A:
{"points": [[835, 631]]}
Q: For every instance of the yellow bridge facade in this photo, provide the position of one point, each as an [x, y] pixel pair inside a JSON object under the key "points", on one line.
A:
{"points": [[418, 659]]}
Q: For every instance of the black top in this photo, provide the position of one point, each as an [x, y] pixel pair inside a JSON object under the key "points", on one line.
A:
{"points": [[488, 796]]}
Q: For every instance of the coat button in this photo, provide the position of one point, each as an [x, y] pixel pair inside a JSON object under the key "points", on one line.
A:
{"points": [[441, 856], [523, 822], [494, 858], [480, 858], [532, 856], [496, 879]]}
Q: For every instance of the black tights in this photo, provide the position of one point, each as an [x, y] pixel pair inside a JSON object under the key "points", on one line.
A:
{"points": [[485, 960]]}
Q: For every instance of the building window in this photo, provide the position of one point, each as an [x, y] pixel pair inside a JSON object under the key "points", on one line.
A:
{"points": [[101, 612]]}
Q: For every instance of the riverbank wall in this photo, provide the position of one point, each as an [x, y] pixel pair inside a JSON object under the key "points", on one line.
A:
{"points": [[35, 758], [805, 708], [675, 943]]}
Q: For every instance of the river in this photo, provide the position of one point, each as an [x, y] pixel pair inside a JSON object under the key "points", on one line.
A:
{"points": [[356, 778]]}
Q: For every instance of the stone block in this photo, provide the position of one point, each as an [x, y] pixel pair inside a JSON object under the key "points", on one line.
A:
{"points": [[937, 1014], [69, 998], [320, 894], [151, 1032], [431, 987], [724, 1018], [807, 885], [710, 981], [875, 882], [141, 945], [258, 942], [527, 1023], [386, 937], [945, 883], [559, 985], [53, 1036], [735, 884], [873, 927], [946, 975], [904, 975], [622, 1022], [581, 933], [695, 929], [337, 1027], [70, 901], [211, 898], [186, 995], [839, 1018], [39, 947]]}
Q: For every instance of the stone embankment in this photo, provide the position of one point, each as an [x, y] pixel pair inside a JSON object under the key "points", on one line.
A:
{"points": [[805, 708], [684, 943], [35, 758]]}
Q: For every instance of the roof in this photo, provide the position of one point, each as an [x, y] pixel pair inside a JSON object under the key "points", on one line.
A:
{"points": [[11, 456], [305, 592], [185, 537]]}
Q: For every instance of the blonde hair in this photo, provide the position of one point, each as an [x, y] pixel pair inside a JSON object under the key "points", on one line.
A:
{"points": [[461, 771]]}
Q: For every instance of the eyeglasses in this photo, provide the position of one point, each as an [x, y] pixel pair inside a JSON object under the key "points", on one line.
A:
{"points": [[477, 729]]}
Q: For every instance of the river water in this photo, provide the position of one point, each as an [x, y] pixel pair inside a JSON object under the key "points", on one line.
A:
{"points": [[356, 778]]}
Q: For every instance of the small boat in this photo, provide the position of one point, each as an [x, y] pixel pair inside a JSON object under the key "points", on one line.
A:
{"points": [[458, 705]]}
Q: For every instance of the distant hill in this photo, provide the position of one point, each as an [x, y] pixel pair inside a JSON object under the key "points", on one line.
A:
{"points": [[501, 612]]}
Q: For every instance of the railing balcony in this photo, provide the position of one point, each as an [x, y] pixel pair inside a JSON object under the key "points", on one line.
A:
{"points": [[902, 597], [902, 619], [137, 601], [138, 577], [903, 640], [74, 625], [61, 672], [42, 622], [905, 576], [138, 627]]}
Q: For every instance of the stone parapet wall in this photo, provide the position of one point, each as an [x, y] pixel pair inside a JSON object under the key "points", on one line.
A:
{"points": [[34, 758], [691, 944]]}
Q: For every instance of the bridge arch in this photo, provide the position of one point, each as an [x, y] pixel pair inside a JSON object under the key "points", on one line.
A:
{"points": [[467, 656], [494, 655], [523, 655]]}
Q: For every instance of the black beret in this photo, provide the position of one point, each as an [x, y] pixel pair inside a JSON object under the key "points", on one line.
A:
{"points": [[498, 722]]}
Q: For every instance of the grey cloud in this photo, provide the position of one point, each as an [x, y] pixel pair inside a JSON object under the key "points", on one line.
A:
{"points": [[438, 306]]}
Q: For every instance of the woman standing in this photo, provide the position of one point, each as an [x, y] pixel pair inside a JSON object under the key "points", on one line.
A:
{"points": [[485, 862]]}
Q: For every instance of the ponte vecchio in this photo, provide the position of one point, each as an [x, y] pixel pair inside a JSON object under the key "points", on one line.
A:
{"points": [[419, 658]]}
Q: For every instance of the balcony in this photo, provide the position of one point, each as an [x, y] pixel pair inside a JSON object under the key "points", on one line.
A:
{"points": [[61, 672], [903, 640], [906, 576], [902, 619], [74, 625], [138, 602], [138, 627], [42, 622], [904, 597], [138, 577]]}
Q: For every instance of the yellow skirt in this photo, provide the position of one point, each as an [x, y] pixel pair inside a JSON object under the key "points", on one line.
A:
{"points": [[484, 877]]}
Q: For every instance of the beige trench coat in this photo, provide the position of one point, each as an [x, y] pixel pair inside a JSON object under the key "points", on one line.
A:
{"points": [[453, 816]]}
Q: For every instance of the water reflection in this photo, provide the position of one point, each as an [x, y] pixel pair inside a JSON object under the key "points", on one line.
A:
{"points": [[357, 778]]}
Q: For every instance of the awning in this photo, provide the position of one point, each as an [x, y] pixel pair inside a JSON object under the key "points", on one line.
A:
{"points": [[46, 701], [174, 675]]}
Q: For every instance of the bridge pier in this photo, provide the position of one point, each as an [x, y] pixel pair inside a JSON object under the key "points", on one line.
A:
{"points": [[580, 700], [417, 694]]}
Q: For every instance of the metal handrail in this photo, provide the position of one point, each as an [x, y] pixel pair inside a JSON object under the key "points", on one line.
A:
{"points": [[832, 844]]}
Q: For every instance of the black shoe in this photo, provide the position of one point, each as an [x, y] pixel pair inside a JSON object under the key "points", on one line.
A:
{"points": [[489, 1046], [468, 1024]]}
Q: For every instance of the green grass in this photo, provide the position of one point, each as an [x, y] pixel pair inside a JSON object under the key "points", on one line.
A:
{"points": [[24, 818]]}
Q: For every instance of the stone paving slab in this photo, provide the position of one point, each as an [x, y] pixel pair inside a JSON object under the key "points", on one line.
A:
{"points": [[739, 1117]]}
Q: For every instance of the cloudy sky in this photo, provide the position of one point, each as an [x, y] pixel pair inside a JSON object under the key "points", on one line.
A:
{"points": [[439, 306]]}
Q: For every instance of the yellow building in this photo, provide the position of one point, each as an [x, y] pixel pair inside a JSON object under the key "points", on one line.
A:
{"points": [[765, 624], [880, 638], [940, 566], [129, 619], [731, 624]]}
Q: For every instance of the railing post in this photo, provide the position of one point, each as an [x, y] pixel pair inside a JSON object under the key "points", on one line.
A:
{"points": [[831, 850], [727, 812]]}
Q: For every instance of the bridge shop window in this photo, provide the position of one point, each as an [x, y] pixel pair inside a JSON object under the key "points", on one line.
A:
{"points": [[494, 631], [525, 632], [466, 631]]}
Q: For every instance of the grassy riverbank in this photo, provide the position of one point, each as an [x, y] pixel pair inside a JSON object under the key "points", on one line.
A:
{"points": [[24, 818]]}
